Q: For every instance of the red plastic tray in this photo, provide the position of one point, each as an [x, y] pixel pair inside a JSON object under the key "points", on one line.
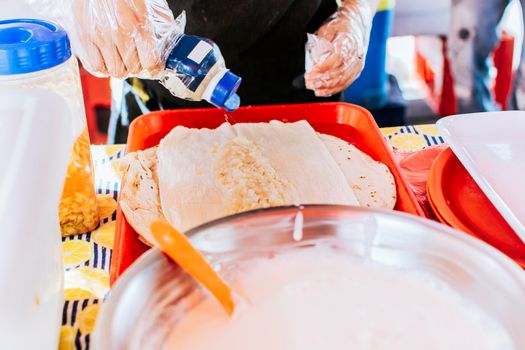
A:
{"points": [[348, 122], [459, 202]]}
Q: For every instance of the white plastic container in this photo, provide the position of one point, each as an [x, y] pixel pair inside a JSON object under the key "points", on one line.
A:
{"points": [[63, 80], [36, 55], [491, 146], [35, 146]]}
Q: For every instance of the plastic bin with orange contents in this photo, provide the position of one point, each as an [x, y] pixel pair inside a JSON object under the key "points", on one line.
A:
{"points": [[348, 122]]}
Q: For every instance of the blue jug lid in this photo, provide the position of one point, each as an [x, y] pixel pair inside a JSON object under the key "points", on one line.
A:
{"points": [[30, 45], [224, 95]]}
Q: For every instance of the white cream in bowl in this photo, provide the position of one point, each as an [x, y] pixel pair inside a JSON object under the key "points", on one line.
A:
{"points": [[317, 298]]}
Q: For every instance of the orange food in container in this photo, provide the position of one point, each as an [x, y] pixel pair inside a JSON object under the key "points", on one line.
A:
{"points": [[78, 207]]}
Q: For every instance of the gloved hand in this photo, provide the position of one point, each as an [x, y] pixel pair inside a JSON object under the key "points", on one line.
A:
{"points": [[336, 54], [119, 38]]}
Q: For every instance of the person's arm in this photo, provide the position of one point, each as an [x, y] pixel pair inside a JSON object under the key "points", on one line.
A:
{"points": [[348, 30], [119, 38]]}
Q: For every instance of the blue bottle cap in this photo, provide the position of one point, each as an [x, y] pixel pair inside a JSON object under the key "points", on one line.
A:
{"points": [[232, 103], [223, 95], [30, 45]]}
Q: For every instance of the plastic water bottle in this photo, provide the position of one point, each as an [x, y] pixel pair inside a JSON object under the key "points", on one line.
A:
{"points": [[195, 70]]}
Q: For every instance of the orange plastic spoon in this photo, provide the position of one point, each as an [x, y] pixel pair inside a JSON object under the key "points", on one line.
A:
{"points": [[178, 247]]}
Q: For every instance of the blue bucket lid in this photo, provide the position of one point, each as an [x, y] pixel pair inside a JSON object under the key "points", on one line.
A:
{"points": [[224, 95], [30, 45]]}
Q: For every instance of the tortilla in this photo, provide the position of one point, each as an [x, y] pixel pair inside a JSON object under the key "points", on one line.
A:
{"points": [[190, 192], [299, 157], [208, 174], [372, 182], [212, 173], [139, 196]]}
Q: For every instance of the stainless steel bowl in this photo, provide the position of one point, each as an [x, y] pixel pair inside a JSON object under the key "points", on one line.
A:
{"points": [[153, 294]]}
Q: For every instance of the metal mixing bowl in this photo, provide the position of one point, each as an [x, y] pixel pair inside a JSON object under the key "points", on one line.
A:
{"points": [[154, 293]]}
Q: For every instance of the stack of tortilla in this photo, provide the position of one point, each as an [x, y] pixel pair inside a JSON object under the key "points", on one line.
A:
{"points": [[198, 175]]}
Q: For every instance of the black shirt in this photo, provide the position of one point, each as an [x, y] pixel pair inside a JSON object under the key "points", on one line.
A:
{"points": [[262, 41]]}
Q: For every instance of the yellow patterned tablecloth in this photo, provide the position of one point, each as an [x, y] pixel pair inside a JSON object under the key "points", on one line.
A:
{"points": [[87, 257]]}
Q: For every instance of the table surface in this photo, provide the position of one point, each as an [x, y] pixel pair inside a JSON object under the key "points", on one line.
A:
{"points": [[87, 257]]}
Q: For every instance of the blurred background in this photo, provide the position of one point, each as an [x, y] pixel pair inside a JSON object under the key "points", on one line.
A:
{"points": [[408, 39], [415, 55]]}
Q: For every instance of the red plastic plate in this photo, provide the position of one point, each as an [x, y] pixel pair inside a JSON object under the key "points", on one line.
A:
{"points": [[459, 202], [348, 122]]}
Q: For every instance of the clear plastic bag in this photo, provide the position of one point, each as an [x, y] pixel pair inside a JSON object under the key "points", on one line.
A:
{"points": [[317, 51], [335, 55], [416, 167]]}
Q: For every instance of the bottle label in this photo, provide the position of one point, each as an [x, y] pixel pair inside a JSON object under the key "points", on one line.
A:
{"points": [[191, 60], [200, 52]]}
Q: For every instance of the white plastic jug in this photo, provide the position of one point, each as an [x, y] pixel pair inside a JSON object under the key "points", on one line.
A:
{"points": [[37, 55], [35, 146]]}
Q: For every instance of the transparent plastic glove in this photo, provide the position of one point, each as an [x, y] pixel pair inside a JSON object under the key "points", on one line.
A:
{"points": [[335, 55], [118, 38]]}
